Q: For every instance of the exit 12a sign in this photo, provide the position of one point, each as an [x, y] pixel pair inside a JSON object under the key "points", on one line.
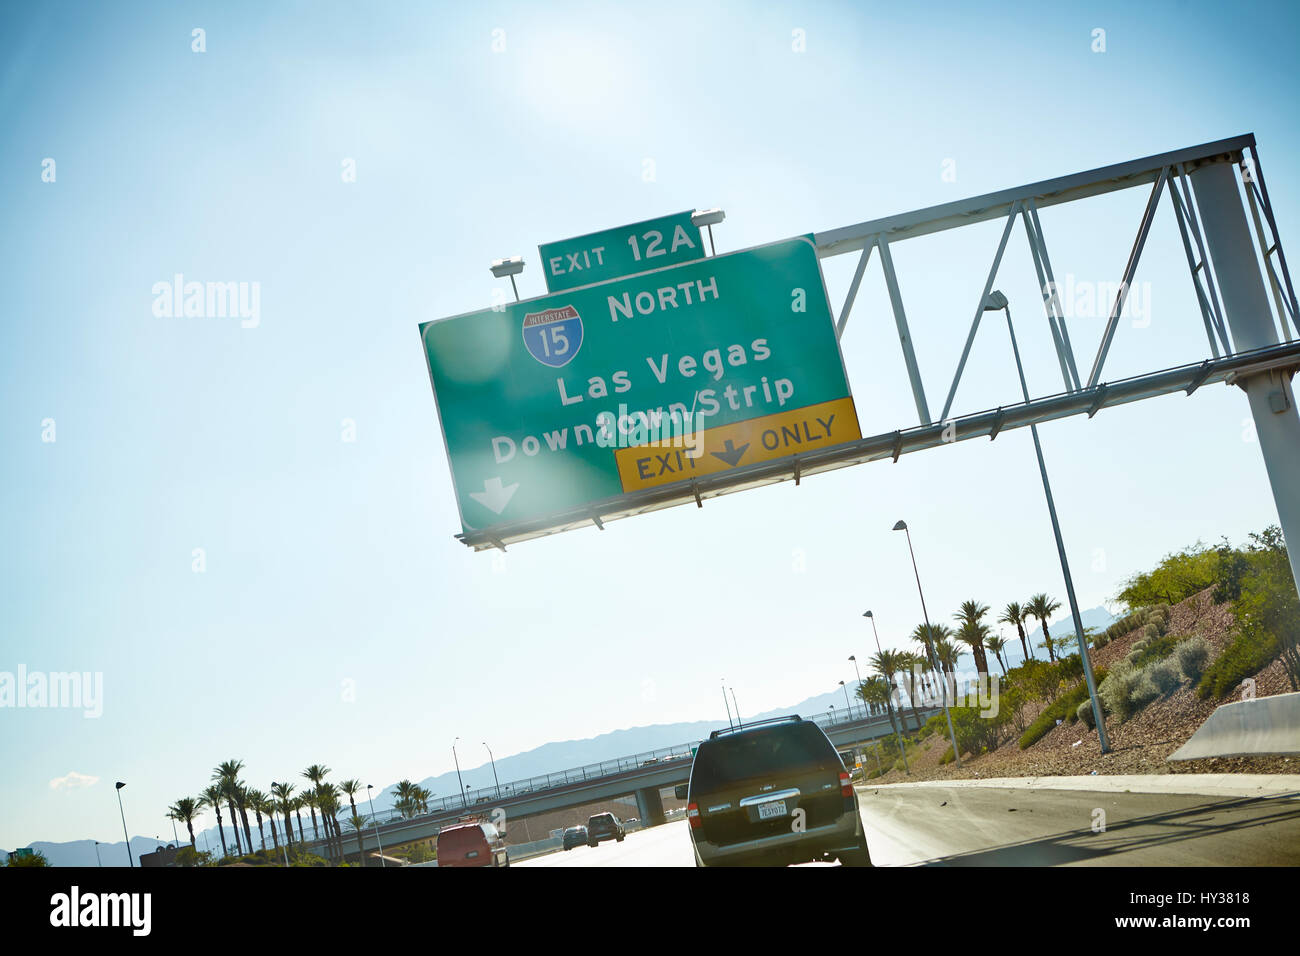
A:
{"points": [[624, 251], [582, 404]]}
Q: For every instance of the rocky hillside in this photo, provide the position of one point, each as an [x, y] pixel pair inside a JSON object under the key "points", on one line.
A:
{"points": [[1139, 745]]}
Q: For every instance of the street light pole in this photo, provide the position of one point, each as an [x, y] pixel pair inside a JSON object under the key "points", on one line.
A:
{"points": [[726, 703], [130, 861], [889, 699], [995, 301], [739, 722], [97, 857], [494, 769], [847, 703], [382, 865], [854, 659], [463, 804], [929, 645]]}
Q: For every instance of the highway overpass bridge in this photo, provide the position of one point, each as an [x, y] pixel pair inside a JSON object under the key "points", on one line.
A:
{"points": [[641, 775]]}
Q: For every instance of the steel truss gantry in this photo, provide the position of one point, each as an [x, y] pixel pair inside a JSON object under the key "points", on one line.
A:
{"points": [[1167, 170], [1252, 341]]}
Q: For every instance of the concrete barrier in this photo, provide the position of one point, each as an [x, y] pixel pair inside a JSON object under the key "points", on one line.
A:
{"points": [[1247, 728]]}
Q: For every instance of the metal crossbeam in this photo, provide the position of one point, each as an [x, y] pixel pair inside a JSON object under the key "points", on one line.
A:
{"points": [[1051, 300], [1277, 238], [979, 307], [1126, 283], [1049, 192], [1211, 320], [904, 335]]}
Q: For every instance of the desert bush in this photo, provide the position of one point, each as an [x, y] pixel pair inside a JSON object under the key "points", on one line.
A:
{"points": [[1125, 625], [1063, 708], [1151, 631], [1190, 657], [1159, 678], [1153, 650], [1084, 712], [1246, 655], [947, 756], [1116, 690]]}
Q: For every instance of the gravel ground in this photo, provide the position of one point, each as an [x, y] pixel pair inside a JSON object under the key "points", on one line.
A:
{"points": [[1139, 745]]}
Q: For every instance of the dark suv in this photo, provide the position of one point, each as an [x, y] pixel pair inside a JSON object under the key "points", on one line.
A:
{"points": [[604, 826], [773, 793]]}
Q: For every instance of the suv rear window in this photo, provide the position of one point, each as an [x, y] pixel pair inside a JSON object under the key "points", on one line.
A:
{"points": [[800, 747]]}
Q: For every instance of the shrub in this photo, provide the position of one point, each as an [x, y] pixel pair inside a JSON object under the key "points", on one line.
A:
{"points": [[1151, 631], [1116, 690], [1125, 625], [1190, 657], [947, 756], [1153, 650], [1141, 691], [1160, 678], [1069, 668], [1246, 655], [1062, 708], [1084, 712]]}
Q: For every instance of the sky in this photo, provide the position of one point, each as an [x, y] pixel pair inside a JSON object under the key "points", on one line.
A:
{"points": [[252, 585]]}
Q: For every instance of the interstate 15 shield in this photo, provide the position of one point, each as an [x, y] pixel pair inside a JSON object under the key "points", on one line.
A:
{"points": [[554, 336]]}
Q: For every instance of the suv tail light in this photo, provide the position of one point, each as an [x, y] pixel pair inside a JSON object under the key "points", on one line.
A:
{"points": [[693, 814], [846, 785]]}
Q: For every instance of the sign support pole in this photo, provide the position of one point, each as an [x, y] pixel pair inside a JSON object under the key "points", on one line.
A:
{"points": [[1245, 300]]}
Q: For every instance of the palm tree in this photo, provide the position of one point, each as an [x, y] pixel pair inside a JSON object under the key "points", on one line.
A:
{"points": [[227, 776], [256, 801], [1013, 613], [352, 788], [213, 796], [404, 798], [298, 803], [315, 773], [876, 690], [995, 643], [973, 631], [283, 793], [925, 638], [327, 798], [358, 826], [269, 807], [308, 799], [911, 665], [1043, 607], [422, 797], [185, 810], [973, 634], [948, 653], [889, 663]]}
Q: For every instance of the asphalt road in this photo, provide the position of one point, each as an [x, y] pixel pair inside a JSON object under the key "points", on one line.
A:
{"points": [[968, 826]]}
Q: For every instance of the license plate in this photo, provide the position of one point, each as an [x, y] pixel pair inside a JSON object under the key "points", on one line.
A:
{"points": [[767, 811]]}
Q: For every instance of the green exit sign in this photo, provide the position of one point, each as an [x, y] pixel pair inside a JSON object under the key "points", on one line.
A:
{"points": [[580, 405], [624, 251]]}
